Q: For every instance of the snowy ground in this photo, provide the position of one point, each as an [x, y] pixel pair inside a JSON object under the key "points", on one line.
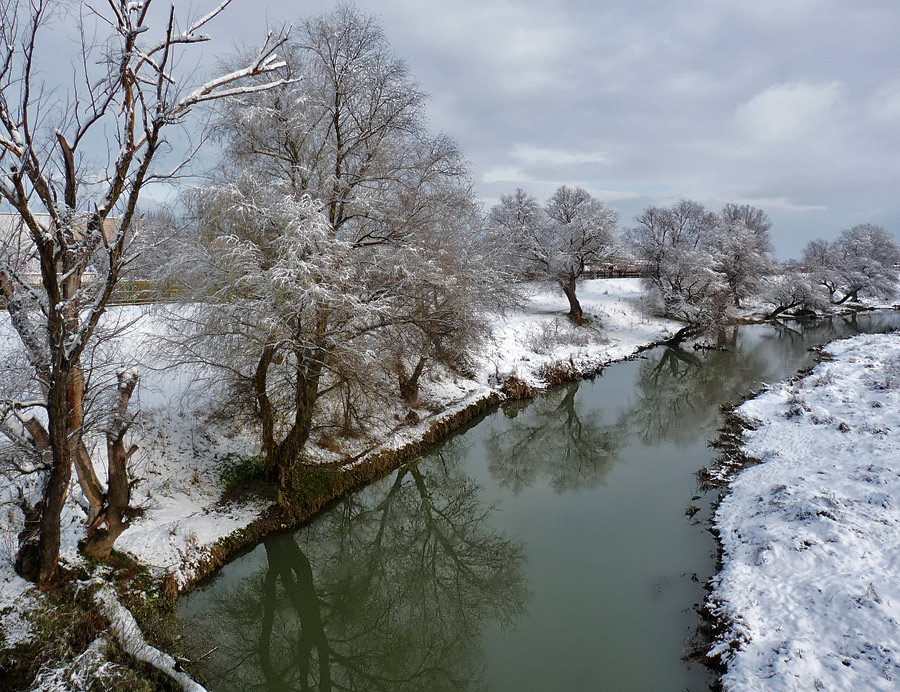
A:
{"points": [[179, 457], [811, 536]]}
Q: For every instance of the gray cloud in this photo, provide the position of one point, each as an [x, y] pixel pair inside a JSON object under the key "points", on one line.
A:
{"points": [[793, 106]]}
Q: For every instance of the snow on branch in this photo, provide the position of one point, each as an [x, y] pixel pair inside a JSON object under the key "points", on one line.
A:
{"points": [[266, 61], [128, 633]]}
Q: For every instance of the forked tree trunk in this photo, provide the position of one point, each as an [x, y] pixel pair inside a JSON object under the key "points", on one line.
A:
{"points": [[681, 335], [84, 467], [568, 287], [87, 477], [281, 456], [112, 520]]}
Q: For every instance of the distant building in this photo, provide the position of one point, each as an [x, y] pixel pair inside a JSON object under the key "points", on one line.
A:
{"points": [[18, 251]]}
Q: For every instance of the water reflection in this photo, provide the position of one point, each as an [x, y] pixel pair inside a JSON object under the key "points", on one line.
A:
{"points": [[675, 399], [408, 584], [551, 437], [388, 591], [679, 390]]}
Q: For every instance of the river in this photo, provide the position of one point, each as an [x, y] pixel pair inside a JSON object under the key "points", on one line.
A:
{"points": [[545, 547]]}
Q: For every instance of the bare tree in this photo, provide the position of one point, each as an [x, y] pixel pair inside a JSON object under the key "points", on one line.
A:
{"points": [[125, 89], [575, 231], [862, 261]]}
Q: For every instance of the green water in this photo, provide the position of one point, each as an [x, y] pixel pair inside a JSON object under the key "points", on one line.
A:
{"points": [[544, 548]]}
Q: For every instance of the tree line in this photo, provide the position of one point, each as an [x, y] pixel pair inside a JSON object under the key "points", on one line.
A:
{"points": [[698, 266], [336, 251]]}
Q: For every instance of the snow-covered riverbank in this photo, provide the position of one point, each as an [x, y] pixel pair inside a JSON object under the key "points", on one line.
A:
{"points": [[811, 537], [179, 462]]}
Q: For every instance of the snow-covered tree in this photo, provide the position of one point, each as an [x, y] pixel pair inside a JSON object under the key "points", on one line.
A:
{"points": [[518, 215], [349, 129], [338, 173], [742, 249], [75, 200], [574, 232], [791, 288], [675, 246], [280, 306], [452, 283], [862, 261]]}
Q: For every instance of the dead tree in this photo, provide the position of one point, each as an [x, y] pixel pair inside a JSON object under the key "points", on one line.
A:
{"points": [[73, 212]]}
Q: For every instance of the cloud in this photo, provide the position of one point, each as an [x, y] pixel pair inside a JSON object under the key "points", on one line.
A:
{"points": [[782, 203], [504, 174], [792, 106], [612, 195], [532, 155], [776, 10], [788, 112], [884, 104]]}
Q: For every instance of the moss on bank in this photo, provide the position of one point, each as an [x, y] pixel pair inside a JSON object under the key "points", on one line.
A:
{"points": [[317, 487]]}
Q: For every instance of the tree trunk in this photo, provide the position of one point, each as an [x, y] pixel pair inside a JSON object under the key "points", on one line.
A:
{"points": [[780, 309], [568, 287], [37, 560], [101, 539], [282, 456], [409, 385], [851, 296], [680, 335], [87, 479], [264, 408]]}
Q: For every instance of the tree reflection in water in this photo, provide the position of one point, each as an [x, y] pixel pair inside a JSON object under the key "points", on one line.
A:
{"points": [[679, 392], [388, 591], [392, 588], [552, 437], [675, 398]]}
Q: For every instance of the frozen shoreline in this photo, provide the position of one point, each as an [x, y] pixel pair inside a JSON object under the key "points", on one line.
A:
{"points": [[808, 594]]}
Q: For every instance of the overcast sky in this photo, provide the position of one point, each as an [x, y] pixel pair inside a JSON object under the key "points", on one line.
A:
{"points": [[792, 105]]}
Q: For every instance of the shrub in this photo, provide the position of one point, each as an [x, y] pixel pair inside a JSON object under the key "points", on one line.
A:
{"points": [[240, 474]]}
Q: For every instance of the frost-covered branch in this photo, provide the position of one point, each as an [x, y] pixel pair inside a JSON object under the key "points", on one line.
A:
{"points": [[77, 217], [128, 633]]}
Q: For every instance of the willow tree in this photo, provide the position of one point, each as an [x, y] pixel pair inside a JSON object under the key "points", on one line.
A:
{"points": [[75, 202], [560, 242], [336, 176]]}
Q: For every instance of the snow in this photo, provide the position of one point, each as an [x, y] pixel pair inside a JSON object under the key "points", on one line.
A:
{"points": [[615, 318], [178, 462], [127, 631], [811, 536], [16, 598]]}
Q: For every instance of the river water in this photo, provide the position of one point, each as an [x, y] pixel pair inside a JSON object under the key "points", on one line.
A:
{"points": [[546, 547]]}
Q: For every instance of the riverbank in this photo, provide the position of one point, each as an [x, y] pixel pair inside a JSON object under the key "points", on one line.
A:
{"points": [[185, 532], [807, 597]]}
